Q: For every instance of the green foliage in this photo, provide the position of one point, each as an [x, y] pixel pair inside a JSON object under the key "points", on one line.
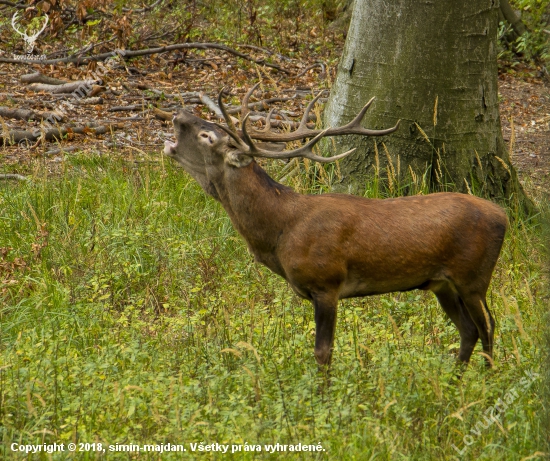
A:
{"points": [[535, 43], [132, 313]]}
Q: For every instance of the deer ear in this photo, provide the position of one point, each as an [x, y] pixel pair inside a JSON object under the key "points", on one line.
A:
{"points": [[237, 159]]}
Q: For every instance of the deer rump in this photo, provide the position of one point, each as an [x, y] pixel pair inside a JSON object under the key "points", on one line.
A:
{"points": [[334, 246]]}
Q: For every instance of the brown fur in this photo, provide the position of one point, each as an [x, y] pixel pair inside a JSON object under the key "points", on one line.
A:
{"points": [[334, 246]]}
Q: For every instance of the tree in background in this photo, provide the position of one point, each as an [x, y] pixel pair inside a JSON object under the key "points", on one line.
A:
{"points": [[433, 65]]}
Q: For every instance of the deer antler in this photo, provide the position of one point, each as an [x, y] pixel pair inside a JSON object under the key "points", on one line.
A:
{"points": [[36, 34], [353, 127], [13, 19], [246, 144]]}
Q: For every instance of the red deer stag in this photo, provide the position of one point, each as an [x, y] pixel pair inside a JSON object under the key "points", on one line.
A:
{"points": [[334, 246]]}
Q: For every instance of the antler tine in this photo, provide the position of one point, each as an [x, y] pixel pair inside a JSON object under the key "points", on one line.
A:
{"points": [[13, 19], [235, 137], [319, 159], [244, 106], [43, 27], [226, 116], [357, 120], [305, 117], [354, 127], [267, 127], [306, 151], [246, 143], [246, 136]]}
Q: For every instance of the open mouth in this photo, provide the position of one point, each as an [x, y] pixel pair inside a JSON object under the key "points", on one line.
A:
{"points": [[169, 148]]}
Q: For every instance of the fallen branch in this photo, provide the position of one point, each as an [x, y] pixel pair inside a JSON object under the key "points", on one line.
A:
{"points": [[60, 150], [211, 105], [31, 102], [19, 114], [37, 77], [163, 49], [135, 118], [126, 108], [162, 115], [186, 95], [277, 123], [21, 6], [17, 177], [88, 101], [64, 88], [26, 114], [53, 134]]}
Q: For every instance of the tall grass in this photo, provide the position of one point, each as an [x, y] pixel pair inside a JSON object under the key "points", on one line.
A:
{"points": [[131, 312]]}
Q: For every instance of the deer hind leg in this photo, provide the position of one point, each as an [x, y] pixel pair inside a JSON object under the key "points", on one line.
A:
{"points": [[325, 305], [480, 314], [454, 307]]}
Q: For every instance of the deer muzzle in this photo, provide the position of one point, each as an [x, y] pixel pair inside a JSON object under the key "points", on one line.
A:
{"points": [[169, 148]]}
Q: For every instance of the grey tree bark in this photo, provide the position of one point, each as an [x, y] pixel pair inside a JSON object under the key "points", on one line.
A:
{"points": [[433, 65]]}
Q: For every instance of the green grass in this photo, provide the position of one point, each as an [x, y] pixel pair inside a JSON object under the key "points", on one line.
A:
{"points": [[131, 312]]}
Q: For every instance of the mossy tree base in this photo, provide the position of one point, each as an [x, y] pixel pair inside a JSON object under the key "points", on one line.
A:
{"points": [[433, 66]]}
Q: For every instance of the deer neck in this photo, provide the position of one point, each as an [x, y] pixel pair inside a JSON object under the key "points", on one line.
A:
{"points": [[259, 208]]}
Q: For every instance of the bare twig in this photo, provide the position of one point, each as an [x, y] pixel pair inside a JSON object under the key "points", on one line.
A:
{"points": [[141, 10], [37, 77], [163, 49], [322, 65], [265, 50], [21, 6], [210, 104], [17, 177], [126, 108], [88, 101], [60, 150]]}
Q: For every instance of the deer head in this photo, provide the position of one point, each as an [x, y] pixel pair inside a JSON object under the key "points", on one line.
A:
{"points": [[29, 39], [224, 142]]}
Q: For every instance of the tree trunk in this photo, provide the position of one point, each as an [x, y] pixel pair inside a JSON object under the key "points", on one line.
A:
{"points": [[433, 65]]}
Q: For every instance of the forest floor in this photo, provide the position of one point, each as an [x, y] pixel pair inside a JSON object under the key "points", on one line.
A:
{"points": [[127, 93], [526, 102]]}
